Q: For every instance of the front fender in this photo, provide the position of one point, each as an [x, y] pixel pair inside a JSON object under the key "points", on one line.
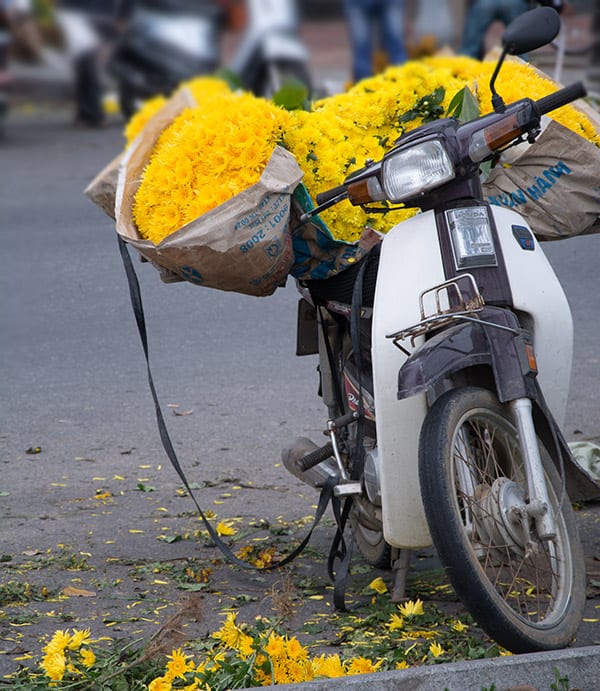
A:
{"points": [[447, 352], [496, 340]]}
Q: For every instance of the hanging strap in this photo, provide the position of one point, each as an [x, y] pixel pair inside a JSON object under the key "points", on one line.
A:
{"points": [[326, 492]]}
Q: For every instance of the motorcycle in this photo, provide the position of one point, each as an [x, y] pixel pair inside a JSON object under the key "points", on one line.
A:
{"points": [[165, 43], [271, 51], [169, 41], [444, 359]]}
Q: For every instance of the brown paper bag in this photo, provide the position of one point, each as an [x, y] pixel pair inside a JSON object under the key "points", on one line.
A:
{"points": [[554, 184], [103, 188], [243, 245]]}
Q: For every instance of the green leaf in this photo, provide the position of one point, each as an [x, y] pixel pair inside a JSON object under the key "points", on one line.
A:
{"points": [[141, 487], [464, 106], [293, 95]]}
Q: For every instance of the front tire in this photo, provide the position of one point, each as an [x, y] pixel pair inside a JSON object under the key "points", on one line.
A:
{"points": [[527, 593]]}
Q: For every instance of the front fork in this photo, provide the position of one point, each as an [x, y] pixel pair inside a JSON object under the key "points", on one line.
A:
{"points": [[538, 506]]}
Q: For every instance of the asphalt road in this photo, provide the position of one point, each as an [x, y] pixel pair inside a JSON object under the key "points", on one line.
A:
{"points": [[73, 377]]}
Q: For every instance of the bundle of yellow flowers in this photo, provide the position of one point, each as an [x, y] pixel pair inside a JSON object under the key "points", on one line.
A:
{"points": [[205, 157], [341, 132], [213, 151]]}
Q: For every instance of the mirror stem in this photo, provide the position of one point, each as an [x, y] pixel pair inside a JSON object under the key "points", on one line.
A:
{"points": [[497, 102]]}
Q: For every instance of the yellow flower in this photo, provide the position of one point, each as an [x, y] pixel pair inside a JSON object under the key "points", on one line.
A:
{"points": [[139, 119], [403, 664], [178, 664], [245, 645], [395, 623], [160, 684], [459, 626], [230, 634], [362, 665], [275, 646], [59, 641], [87, 657], [295, 650], [225, 528], [54, 664], [78, 638], [378, 585], [436, 649], [411, 609], [413, 635], [329, 666], [206, 156]]}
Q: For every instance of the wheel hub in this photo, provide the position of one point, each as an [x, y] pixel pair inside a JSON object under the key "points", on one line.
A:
{"points": [[501, 519]]}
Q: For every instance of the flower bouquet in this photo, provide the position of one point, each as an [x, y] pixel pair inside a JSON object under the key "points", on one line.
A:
{"points": [[213, 182]]}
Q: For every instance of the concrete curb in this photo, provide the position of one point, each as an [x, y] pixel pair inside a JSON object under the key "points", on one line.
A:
{"points": [[578, 667]]}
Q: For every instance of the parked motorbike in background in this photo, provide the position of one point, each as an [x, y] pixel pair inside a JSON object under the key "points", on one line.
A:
{"points": [[444, 360], [165, 43], [270, 51], [170, 41]]}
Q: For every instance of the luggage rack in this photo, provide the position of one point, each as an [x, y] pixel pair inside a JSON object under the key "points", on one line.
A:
{"points": [[461, 303]]}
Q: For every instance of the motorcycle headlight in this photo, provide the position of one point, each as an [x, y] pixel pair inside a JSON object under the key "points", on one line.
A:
{"points": [[408, 172]]}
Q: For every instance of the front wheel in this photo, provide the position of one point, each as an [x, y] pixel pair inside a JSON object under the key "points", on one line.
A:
{"points": [[526, 592]]}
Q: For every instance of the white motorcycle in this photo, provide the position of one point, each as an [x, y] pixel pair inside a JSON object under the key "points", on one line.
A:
{"points": [[445, 359], [271, 50]]}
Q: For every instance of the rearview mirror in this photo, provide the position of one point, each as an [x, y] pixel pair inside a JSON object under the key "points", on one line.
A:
{"points": [[531, 30]]}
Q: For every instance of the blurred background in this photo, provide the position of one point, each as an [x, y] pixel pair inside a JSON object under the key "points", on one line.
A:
{"points": [[124, 52]]}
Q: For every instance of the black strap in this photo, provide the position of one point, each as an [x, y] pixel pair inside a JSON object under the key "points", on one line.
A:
{"points": [[355, 317], [326, 492]]}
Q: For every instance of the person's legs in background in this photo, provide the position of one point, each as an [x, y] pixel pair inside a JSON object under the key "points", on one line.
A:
{"points": [[392, 31], [360, 29], [480, 16], [88, 91]]}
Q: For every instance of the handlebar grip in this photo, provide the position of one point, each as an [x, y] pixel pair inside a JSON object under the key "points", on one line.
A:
{"points": [[561, 97], [328, 195]]}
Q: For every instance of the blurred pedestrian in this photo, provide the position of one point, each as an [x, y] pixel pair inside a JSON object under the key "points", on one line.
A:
{"points": [[87, 27], [481, 14], [371, 20]]}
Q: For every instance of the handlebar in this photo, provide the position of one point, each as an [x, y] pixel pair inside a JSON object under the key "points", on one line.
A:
{"points": [[330, 195], [561, 98]]}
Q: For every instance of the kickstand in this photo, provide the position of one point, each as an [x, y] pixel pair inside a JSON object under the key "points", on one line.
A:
{"points": [[400, 566]]}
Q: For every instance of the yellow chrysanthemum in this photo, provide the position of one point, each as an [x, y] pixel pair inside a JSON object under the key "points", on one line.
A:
{"points": [[295, 650], [160, 684], [436, 649], [378, 585], [225, 528], [362, 665], [78, 638], [329, 666], [178, 664], [54, 665], [396, 623], [88, 657], [275, 646], [411, 609], [138, 120], [230, 634], [59, 641], [205, 157]]}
